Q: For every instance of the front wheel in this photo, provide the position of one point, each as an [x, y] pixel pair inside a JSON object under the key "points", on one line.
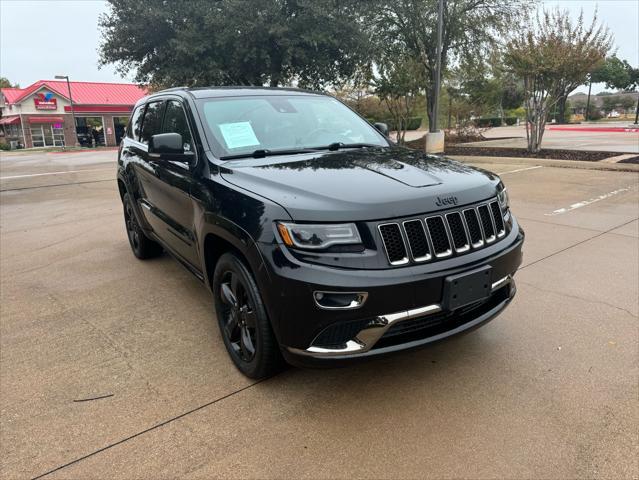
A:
{"points": [[242, 319], [143, 247]]}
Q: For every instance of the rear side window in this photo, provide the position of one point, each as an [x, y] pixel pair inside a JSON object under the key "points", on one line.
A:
{"points": [[152, 123], [133, 129], [175, 122]]}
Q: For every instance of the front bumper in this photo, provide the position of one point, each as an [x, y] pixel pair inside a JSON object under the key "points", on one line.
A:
{"points": [[366, 338], [403, 309]]}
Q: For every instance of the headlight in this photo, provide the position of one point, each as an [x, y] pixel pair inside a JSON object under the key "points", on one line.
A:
{"points": [[318, 236], [502, 198]]}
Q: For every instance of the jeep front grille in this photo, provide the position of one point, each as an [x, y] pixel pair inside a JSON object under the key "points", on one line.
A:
{"points": [[440, 236]]}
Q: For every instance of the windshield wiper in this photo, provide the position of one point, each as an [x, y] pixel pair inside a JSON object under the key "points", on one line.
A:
{"points": [[269, 153], [338, 145]]}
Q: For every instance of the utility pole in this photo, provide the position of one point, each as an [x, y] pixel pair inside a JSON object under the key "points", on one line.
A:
{"points": [[434, 137], [588, 102], [75, 127], [438, 75]]}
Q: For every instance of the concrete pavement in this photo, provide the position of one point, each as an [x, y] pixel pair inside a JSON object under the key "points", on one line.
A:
{"points": [[548, 389]]}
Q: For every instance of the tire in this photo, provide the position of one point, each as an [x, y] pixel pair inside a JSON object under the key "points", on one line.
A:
{"points": [[143, 247], [243, 321]]}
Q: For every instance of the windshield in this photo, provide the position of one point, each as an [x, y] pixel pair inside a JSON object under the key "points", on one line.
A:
{"points": [[242, 125]]}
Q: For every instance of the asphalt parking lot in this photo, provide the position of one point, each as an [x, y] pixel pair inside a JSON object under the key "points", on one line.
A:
{"points": [[549, 389]]}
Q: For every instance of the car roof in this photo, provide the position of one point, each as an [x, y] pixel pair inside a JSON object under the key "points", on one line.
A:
{"points": [[239, 91]]}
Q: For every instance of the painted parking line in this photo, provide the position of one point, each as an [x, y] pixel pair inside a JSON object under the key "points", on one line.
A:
{"points": [[56, 173], [522, 169], [585, 203]]}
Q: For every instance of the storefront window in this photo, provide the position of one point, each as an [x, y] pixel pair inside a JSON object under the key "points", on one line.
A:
{"points": [[13, 131], [47, 135]]}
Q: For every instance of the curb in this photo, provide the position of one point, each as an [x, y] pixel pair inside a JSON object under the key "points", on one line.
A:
{"points": [[617, 167], [595, 129]]}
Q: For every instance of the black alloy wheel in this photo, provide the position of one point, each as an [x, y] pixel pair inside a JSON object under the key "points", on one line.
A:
{"points": [[238, 316], [242, 318], [143, 247]]}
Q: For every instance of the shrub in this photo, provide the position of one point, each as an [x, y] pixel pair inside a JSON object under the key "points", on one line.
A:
{"points": [[510, 120], [595, 114], [413, 123], [488, 122], [5, 146]]}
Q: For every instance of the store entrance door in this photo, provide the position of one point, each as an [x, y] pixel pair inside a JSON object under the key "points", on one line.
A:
{"points": [[90, 131]]}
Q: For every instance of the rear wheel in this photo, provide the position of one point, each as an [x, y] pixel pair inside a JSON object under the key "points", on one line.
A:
{"points": [[143, 247], [242, 319]]}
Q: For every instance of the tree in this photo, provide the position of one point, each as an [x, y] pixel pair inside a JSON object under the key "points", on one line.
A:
{"points": [[575, 77], [619, 74], [615, 73], [398, 83], [470, 29], [6, 83], [626, 102], [609, 103], [549, 55], [234, 42], [491, 88]]}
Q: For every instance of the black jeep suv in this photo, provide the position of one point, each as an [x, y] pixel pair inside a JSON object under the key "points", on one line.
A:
{"points": [[320, 239]]}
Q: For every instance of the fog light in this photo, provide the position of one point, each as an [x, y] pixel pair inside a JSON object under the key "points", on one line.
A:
{"points": [[340, 300]]}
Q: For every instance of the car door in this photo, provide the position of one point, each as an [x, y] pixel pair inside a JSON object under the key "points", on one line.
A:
{"points": [[166, 201]]}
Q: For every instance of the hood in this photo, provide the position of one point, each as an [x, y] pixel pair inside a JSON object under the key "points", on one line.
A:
{"points": [[362, 184]]}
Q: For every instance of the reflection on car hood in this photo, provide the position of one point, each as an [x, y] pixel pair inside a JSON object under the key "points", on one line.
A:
{"points": [[362, 184]]}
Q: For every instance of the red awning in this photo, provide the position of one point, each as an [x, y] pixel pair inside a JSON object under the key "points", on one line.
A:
{"points": [[46, 120], [9, 120]]}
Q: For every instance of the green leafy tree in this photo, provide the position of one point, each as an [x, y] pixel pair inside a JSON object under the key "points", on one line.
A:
{"points": [[397, 83], [616, 74], [549, 54], [234, 42], [6, 83], [626, 102], [471, 28], [574, 77], [609, 103]]}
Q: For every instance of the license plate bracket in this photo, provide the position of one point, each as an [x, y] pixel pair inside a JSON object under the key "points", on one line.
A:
{"points": [[467, 288]]}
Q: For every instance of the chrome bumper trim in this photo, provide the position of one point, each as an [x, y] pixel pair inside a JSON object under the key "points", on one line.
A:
{"points": [[368, 336], [501, 282]]}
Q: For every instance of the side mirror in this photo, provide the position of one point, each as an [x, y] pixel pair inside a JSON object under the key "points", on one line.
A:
{"points": [[381, 128], [168, 146]]}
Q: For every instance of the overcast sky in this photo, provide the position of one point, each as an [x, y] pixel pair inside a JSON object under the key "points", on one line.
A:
{"points": [[41, 39]]}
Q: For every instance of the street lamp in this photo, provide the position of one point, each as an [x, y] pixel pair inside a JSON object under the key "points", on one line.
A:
{"points": [[75, 127]]}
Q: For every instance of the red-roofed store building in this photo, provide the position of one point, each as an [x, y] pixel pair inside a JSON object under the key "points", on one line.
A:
{"points": [[40, 114]]}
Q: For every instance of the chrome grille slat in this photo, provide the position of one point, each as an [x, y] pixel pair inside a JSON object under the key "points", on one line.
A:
{"points": [[457, 232], [474, 227], [498, 219], [417, 240], [394, 244], [486, 222], [440, 236], [442, 245]]}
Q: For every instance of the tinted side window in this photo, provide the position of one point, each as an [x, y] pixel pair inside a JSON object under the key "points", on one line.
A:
{"points": [[152, 123], [133, 129], [175, 122]]}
